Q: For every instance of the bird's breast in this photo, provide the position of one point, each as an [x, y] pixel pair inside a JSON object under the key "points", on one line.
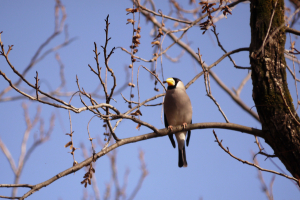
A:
{"points": [[177, 107]]}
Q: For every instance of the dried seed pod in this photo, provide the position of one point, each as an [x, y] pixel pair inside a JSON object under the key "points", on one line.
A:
{"points": [[131, 10], [68, 144], [138, 126], [155, 43], [138, 35], [131, 84], [130, 21]]}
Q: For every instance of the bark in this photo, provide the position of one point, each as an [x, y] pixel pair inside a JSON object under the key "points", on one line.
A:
{"points": [[271, 95]]}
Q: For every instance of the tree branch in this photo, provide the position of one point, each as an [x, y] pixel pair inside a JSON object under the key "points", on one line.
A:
{"points": [[161, 132]]}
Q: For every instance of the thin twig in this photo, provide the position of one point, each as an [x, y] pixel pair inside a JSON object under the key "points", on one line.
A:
{"points": [[162, 132], [270, 24], [207, 86], [248, 163]]}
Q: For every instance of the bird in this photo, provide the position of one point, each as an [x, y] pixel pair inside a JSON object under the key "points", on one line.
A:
{"points": [[178, 111]]}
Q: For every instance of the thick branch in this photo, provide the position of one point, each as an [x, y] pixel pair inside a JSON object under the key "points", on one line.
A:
{"points": [[161, 132]]}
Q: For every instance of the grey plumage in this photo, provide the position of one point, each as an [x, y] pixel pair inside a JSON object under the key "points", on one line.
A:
{"points": [[178, 111]]}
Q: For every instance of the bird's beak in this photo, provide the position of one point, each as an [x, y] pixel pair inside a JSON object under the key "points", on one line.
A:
{"points": [[170, 81]]}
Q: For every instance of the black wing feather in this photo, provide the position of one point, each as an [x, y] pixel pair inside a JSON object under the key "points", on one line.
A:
{"points": [[188, 137], [171, 135]]}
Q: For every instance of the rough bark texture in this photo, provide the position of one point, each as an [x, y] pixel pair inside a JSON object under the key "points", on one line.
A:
{"points": [[268, 74]]}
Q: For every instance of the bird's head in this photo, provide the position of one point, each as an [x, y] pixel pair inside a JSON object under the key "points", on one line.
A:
{"points": [[174, 83]]}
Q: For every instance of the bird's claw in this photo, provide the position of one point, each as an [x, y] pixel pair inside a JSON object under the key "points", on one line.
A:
{"points": [[184, 125], [170, 128]]}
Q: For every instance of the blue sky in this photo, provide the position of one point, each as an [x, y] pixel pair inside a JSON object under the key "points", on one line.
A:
{"points": [[211, 174]]}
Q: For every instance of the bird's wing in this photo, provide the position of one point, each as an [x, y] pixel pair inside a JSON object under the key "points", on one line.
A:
{"points": [[171, 135], [188, 137]]}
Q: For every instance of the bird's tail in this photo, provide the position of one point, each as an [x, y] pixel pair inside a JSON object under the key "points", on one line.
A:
{"points": [[182, 157]]}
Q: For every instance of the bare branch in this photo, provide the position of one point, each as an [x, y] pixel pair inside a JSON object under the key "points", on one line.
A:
{"points": [[248, 163], [161, 132], [291, 30], [207, 86], [17, 185], [244, 81], [8, 156]]}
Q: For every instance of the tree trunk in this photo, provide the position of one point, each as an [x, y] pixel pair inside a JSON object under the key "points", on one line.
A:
{"points": [[271, 95]]}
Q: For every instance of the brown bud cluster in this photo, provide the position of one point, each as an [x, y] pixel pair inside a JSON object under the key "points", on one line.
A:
{"points": [[88, 176], [160, 33], [131, 84], [207, 7], [131, 10], [226, 10], [130, 21], [137, 113]]}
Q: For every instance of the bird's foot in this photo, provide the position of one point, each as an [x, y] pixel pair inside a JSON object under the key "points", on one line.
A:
{"points": [[184, 125], [170, 128]]}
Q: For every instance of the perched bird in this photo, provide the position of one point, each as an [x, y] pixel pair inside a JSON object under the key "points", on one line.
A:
{"points": [[178, 111]]}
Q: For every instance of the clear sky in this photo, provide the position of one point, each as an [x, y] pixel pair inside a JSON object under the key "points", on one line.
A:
{"points": [[211, 173]]}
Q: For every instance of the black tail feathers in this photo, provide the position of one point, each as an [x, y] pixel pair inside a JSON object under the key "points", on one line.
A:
{"points": [[182, 157]]}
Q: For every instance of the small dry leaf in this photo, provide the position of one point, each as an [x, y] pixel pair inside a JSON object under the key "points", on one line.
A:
{"points": [[134, 51], [138, 126], [130, 21], [131, 10], [155, 43], [160, 31], [138, 35], [68, 144], [156, 89], [130, 66]]}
